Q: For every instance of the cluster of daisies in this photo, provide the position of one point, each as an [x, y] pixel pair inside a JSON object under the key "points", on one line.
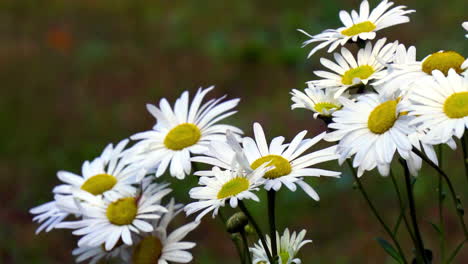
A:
{"points": [[378, 102]]}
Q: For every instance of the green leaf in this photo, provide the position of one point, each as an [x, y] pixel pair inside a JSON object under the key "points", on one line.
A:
{"points": [[455, 252], [389, 249]]}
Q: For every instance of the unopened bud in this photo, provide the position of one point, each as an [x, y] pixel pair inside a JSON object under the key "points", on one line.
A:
{"points": [[236, 223], [249, 230]]}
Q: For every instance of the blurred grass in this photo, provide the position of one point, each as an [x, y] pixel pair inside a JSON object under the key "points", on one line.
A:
{"points": [[76, 75]]}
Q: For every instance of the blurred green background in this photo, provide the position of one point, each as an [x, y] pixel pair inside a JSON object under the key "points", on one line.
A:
{"points": [[76, 75]]}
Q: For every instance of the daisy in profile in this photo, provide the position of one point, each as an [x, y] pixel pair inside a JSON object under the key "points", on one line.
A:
{"points": [[106, 222], [288, 246], [96, 255], [347, 72], [321, 102], [406, 69], [187, 129], [373, 128], [224, 186], [289, 165], [52, 213], [159, 247], [359, 26], [440, 105]]}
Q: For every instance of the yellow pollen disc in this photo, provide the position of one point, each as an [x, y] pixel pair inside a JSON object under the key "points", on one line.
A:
{"points": [[456, 105], [443, 61], [359, 28], [233, 187], [98, 184], [122, 211], [284, 255], [282, 166], [148, 251], [319, 107], [362, 72], [382, 117], [182, 136]]}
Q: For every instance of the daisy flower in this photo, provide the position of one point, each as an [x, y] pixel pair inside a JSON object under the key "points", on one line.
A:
{"points": [[373, 128], [320, 102], [183, 131], [440, 105], [347, 72], [289, 166], [288, 246], [159, 247], [406, 69], [52, 213], [224, 186], [96, 254], [105, 222], [359, 26], [109, 175]]}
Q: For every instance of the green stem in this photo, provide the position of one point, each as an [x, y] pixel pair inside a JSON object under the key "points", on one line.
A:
{"points": [[238, 249], [257, 229], [419, 245], [440, 190], [375, 212], [402, 208], [272, 221], [246, 247], [456, 200], [465, 155]]}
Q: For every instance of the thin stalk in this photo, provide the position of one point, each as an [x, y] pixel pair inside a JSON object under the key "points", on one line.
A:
{"points": [[257, 229], [272, 221], [402, 207], [238, 249], [419, 245], [456, 200], [440, 189], [375, 212], [465, 155], [246, 247]]}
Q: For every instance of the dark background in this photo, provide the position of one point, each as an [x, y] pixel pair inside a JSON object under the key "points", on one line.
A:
{"points": [[76, 75]]}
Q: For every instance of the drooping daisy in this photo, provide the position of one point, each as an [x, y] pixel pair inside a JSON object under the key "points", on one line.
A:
{"points": [[108, 221], [183, 131], [109, 175], [96, 254], [465, 26], [224, 186], [288, 246], [359, 26], [440, 105], [159, 247], [316, 100], [52, 213], [406, 69], [347, 72], [373, 128], [289, 166]]}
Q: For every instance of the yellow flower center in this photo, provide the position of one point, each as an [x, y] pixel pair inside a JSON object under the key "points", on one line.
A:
{"points": [[319, 107], [233, 187], [98, 184], [182, 136], [362, 72], [382, 117], [284, 255], [443, 61], [359, 28], [148, 251], [282, 166], [456, 105], [122, 211]]}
